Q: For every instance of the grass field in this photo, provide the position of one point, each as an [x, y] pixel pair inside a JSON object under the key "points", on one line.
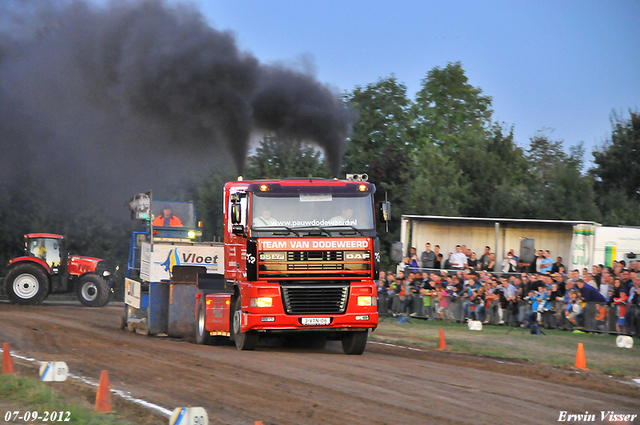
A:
{"points": [[21, 395], [557, 348]]}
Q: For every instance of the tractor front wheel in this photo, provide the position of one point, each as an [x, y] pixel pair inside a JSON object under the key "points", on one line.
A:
{"points": [[93, 291], [26, 284]]}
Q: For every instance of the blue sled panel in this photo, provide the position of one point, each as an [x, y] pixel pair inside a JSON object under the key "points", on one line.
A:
{"points": [[182, 310], [158, 307]]}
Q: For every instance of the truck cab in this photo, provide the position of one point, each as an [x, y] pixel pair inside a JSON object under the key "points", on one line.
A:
{"points": [[302, 256]]}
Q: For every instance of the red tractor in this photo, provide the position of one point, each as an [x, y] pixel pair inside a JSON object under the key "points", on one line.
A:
{"points": [[46, 269]]}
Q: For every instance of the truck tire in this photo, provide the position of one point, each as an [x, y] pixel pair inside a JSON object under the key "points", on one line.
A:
{"points": [[26, 284], [203, 337], [243, 340], [93, 291], [354, 342]]}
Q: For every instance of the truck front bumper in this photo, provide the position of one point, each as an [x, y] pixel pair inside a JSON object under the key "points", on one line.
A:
{"points": [[286, 322]]}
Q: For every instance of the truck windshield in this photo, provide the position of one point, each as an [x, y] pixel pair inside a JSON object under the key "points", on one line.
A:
{"points": [[313, 210]]}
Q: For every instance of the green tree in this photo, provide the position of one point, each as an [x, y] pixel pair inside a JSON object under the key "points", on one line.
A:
{"points": [[617, 162], [280, 157], [454, 116], [434, 184], [380, 145], [451, 112], [379, 142], [561, 191]]}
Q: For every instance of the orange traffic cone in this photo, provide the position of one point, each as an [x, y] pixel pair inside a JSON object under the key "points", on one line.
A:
{"points": [[443, 343], [7, 361], [581, 363], [103, 396], [258, 423]]}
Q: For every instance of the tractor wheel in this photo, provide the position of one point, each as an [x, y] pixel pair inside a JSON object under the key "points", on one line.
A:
{"points": [[354, 342], [26, 284], [93, 291], [243, 340]]}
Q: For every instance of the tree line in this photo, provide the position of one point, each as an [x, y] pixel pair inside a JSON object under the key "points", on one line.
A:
{"points": [[439, 153]]}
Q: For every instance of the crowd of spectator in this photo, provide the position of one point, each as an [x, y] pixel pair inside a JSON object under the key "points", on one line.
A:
{"points": [[526, 292]]}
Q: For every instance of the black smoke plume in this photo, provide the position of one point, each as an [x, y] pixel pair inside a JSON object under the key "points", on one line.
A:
{"points": [[110, 100]]}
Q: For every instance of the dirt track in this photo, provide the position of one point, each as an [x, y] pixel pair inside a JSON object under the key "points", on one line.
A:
{"points": [[283, 385]]}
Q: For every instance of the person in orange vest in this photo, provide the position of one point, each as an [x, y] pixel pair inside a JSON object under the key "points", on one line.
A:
{"points": [[167, 219]]}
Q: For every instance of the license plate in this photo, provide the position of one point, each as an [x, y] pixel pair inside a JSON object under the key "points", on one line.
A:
{"points": [[315, 321]]}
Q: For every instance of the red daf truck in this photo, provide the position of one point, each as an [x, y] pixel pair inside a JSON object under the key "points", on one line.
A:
{"points": [[300, 255]]}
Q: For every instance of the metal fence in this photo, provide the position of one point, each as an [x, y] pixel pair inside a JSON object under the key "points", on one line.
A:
{"points": [[451, 272], [595, 317]]}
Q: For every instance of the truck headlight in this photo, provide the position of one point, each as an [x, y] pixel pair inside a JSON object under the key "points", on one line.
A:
{"points": [[261, 302], [367, 301], [106, 273], [191, 234]]}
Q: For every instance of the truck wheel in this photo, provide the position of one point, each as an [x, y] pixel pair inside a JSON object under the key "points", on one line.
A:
{"points": [[203, 337], [26, 284], [243, 340], [93, 291], [354, 342]]}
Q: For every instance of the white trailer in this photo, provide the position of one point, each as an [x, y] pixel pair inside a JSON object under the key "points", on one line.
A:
{"points": [[603, 245]]}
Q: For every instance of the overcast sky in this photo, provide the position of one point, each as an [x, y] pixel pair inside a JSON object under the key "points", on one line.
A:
{"points": [[560, 65]]}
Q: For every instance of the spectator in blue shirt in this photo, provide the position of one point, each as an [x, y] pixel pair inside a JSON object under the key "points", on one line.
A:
{"points": [[546, 263]]}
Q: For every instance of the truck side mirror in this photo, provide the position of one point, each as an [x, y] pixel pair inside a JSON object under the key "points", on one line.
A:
{"points": [[236, 213], [238, 229]]}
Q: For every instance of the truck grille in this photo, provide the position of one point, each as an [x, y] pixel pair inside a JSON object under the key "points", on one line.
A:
{"points": [[315, 255], [320, 266], [315, 299], [317, 264]]}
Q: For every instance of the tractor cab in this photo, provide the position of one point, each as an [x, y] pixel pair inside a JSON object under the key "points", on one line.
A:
{"points": [[49, 248]]}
